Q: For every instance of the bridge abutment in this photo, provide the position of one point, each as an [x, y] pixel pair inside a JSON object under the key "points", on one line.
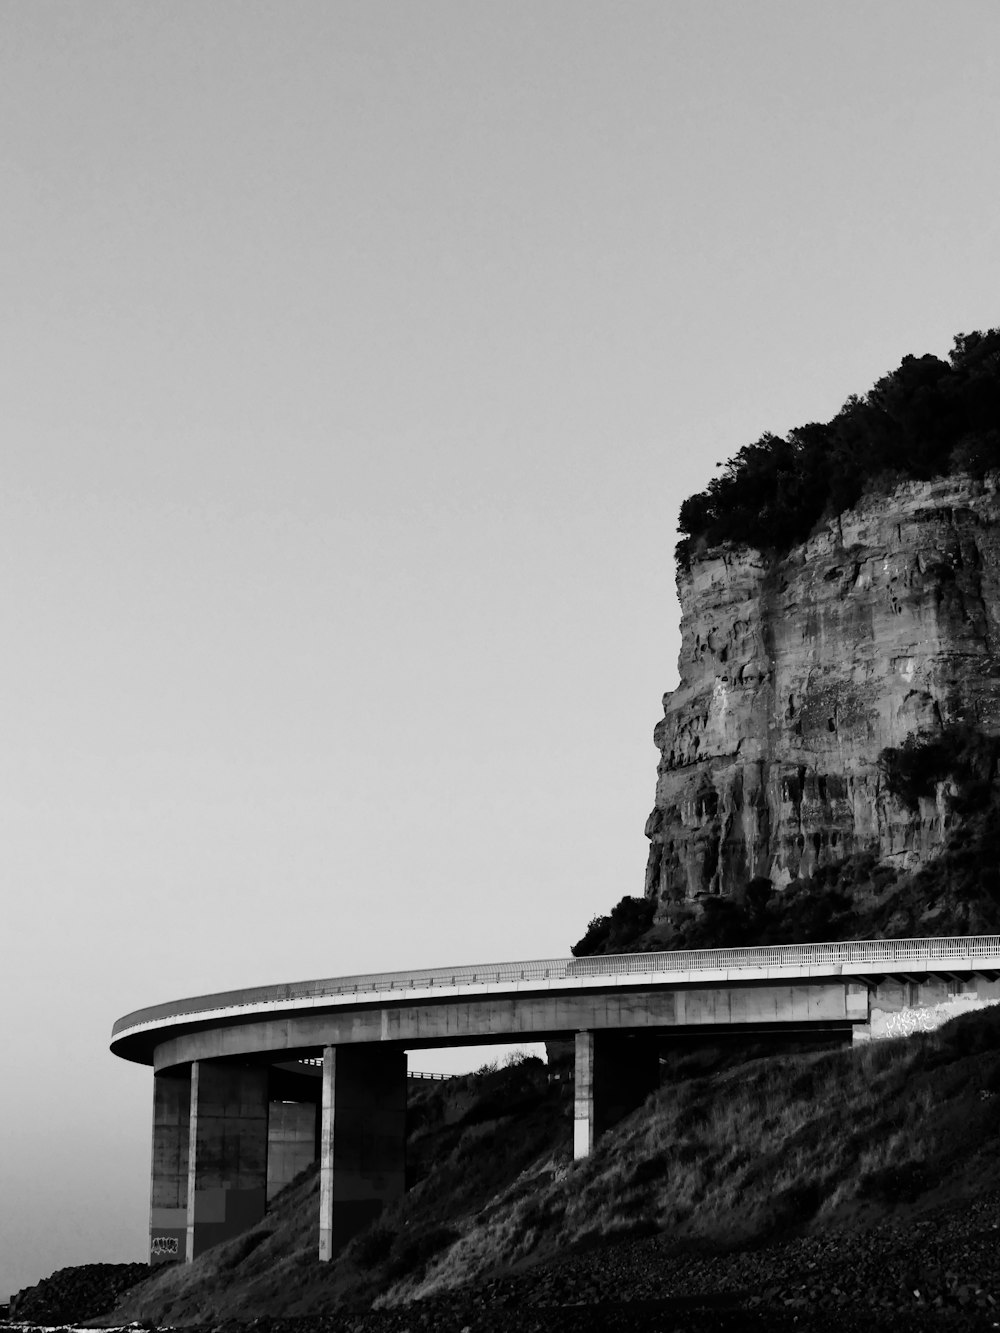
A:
{"points": [[362, 1139]]}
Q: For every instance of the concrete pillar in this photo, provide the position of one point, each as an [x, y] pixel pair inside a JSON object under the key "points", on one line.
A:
{"points": [[614, 1073], [227, 1162], [169, 1173], [291, 1142], [362, 1139], [583, 1096]]}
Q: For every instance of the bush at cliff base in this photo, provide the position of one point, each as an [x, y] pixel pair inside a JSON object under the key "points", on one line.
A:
{"points": [[857, 898], [74, 1294]]}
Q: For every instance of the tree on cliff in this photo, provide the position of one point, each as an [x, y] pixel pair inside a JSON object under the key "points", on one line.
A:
{"points": [[927, 418]]}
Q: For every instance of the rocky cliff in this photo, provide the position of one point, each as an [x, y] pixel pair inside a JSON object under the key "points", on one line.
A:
{"points": [[797, 671]]}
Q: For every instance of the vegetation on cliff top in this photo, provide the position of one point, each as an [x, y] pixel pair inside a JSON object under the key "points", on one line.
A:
{"points": [[927, 418]]}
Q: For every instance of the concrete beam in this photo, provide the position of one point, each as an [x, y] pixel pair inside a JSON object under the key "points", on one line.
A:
{"points": [[136, 1035], [227, 1161], [362, 1139], [534, 1017]]}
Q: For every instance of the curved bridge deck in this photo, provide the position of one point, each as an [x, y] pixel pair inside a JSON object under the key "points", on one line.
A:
{"points": [[237, 1114], [136, 1035]]}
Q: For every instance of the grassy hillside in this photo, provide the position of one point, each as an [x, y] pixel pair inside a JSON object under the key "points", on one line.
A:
{"points": [[470, 1139], [738, 1147]]}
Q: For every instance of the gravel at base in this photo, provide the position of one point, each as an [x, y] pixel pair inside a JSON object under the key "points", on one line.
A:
{"points": [[945, 1263], [74, 1294], [941, 1273]]}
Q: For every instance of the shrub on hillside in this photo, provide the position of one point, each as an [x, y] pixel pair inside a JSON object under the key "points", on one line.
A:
{"points": [[615, 933], [373, 1246], [413, 1251], [966, 875], [960, 753]]}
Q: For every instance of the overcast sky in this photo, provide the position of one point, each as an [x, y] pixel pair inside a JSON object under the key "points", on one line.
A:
{"points": [[355, 360]]}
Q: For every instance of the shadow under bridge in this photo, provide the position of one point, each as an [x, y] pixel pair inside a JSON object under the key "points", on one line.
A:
{"points": [[252, 1085]]}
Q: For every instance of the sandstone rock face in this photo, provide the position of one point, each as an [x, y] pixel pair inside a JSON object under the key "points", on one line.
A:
{"points": [[796, 672]]}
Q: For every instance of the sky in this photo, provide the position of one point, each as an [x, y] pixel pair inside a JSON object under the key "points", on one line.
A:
{"points": [[354, 361]]}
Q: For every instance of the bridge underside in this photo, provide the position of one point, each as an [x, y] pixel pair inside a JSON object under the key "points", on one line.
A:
{"points": [[227, 1135]]}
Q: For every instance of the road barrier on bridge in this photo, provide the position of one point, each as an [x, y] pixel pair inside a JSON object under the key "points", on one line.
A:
{"points": [[815, 959]]}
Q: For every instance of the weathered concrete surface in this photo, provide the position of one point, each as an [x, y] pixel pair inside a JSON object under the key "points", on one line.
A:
{"points": [[227, 1162], [584, 1131], [235, 1109], [427, 992], [510, 1017], [362, 1139], [795, 674], [613, 1074], [250, 1124], [900, 1007], [169, 1171], [292, 1141]]}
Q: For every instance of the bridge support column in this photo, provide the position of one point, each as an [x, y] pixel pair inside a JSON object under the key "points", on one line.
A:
{"points": [[614, 1073], [583, 1096], [227, 1162], [362, 1139], [169, 1173]]}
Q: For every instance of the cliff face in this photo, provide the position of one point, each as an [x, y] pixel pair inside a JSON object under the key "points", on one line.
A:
{"points": [[796, 672]]}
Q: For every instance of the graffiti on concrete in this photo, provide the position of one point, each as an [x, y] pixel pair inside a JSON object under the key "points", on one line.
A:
{"points": [[164, 1245], [923, 1018], [905, 1022]]}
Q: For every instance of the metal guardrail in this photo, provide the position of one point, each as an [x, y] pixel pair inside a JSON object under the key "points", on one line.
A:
{"points": [[317, 1062], [880, 955]]}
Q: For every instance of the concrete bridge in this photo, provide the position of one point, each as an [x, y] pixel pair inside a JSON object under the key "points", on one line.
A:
{"points": [[251, 1086]]}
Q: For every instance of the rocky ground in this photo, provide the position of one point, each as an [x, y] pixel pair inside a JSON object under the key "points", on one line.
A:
{"points": [[941, 1272], [73, 1294]]}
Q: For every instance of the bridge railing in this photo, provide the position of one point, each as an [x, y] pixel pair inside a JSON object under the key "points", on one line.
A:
{"points": [[315, 1062], [893, 952], [886, 955]]}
